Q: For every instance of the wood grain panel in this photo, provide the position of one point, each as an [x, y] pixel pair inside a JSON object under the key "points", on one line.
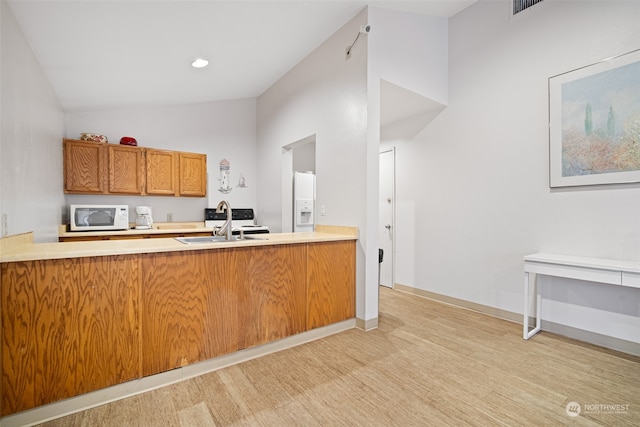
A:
{"points": [[69, 326], [190, 310], [228, 289], [330, 283], [193, 174], [108, 328], [162, 172], [174, 309], [275, 306], [84, 167], [126, 169]]}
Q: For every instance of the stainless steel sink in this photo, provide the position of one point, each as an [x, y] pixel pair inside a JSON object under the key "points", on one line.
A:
{"points": [[214, 239]]}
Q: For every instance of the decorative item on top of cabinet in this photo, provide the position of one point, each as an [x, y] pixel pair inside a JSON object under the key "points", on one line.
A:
{"points": [[93, 137]]}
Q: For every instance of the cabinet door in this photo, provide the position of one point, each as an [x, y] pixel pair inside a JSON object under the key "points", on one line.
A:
{"points": [[190, 306], [162, 172], [69, 326], [276, 294], [84, 167], [126, 169], [331, 277], [193, 174]]}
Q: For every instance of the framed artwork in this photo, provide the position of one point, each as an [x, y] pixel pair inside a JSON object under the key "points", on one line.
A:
{"points": [[594, 123]]}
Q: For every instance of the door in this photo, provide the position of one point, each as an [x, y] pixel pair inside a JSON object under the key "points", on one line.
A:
{"points": [[193, 174], [386, 194], [162, 172], [84, 167], [126, 169]]}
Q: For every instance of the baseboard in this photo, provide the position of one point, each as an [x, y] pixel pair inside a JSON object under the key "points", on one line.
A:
{"points": [[367, 325], [605, 341], [86, 401], [484, 309]]}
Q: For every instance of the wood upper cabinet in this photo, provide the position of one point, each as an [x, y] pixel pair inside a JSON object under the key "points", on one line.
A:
{"points": [[162, 172], [85, 165], [99, 168], [175, 173], [69, 326], [193, 174], [126, 169], [331, 279]]}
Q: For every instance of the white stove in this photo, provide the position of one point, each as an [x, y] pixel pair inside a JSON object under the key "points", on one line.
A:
{"points": [[242, 219]]}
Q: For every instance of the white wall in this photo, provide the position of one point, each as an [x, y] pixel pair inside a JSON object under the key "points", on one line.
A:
{"points": [[407, 77], [324, 95], [31, 144], [409, 50], [222, 129], [472, 187]]}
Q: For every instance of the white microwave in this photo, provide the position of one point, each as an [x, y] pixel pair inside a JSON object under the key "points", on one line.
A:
{"points": [[98, 217]]}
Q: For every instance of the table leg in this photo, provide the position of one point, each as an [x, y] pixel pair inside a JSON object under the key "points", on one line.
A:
{"points": [[526, 334]]}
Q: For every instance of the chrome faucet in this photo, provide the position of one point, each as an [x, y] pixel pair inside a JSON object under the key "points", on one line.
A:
{"points": [[225, 229]]}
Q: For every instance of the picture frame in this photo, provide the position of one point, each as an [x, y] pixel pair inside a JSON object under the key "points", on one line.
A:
{"points": [[594, 123]]}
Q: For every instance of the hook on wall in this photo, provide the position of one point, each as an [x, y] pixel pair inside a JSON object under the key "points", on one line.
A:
{"points": [[365, 29]]}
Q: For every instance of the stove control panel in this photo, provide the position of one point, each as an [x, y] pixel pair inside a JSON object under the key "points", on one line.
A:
{"points": [[236, 214]]}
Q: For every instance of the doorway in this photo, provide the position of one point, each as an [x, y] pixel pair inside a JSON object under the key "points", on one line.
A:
{"points": [[386, 215], [297, 156]]}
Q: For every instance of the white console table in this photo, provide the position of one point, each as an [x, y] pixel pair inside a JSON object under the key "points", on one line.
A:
{"points": [[610, 271]]}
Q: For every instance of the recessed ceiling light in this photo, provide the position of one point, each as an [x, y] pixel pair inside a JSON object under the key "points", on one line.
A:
{"points": [[200, 63]]}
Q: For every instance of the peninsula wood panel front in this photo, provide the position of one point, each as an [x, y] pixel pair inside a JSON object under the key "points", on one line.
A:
{"points": [[69, 326], [330, 283], [190, 309], [275, 303]]}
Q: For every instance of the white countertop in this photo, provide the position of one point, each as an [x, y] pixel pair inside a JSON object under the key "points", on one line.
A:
{"points": [[22, 248], [158, 228]]}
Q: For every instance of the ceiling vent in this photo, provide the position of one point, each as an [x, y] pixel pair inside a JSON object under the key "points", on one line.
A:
{"points": [[520, 5]]}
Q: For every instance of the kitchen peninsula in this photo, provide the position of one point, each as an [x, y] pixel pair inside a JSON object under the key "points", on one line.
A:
{"points": [[83, 316]]}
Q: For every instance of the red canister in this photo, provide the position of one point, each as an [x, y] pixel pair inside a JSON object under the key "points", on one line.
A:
{"points": [[127, 140]]}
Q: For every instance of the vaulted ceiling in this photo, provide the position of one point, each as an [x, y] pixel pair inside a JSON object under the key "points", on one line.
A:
{"points": [[104, 54]]}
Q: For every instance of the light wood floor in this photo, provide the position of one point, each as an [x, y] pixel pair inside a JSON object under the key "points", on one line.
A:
{"points": [[428, 364]]}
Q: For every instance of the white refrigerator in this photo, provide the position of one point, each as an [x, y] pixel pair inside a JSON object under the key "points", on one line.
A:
{"points": [[304, 200]]}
